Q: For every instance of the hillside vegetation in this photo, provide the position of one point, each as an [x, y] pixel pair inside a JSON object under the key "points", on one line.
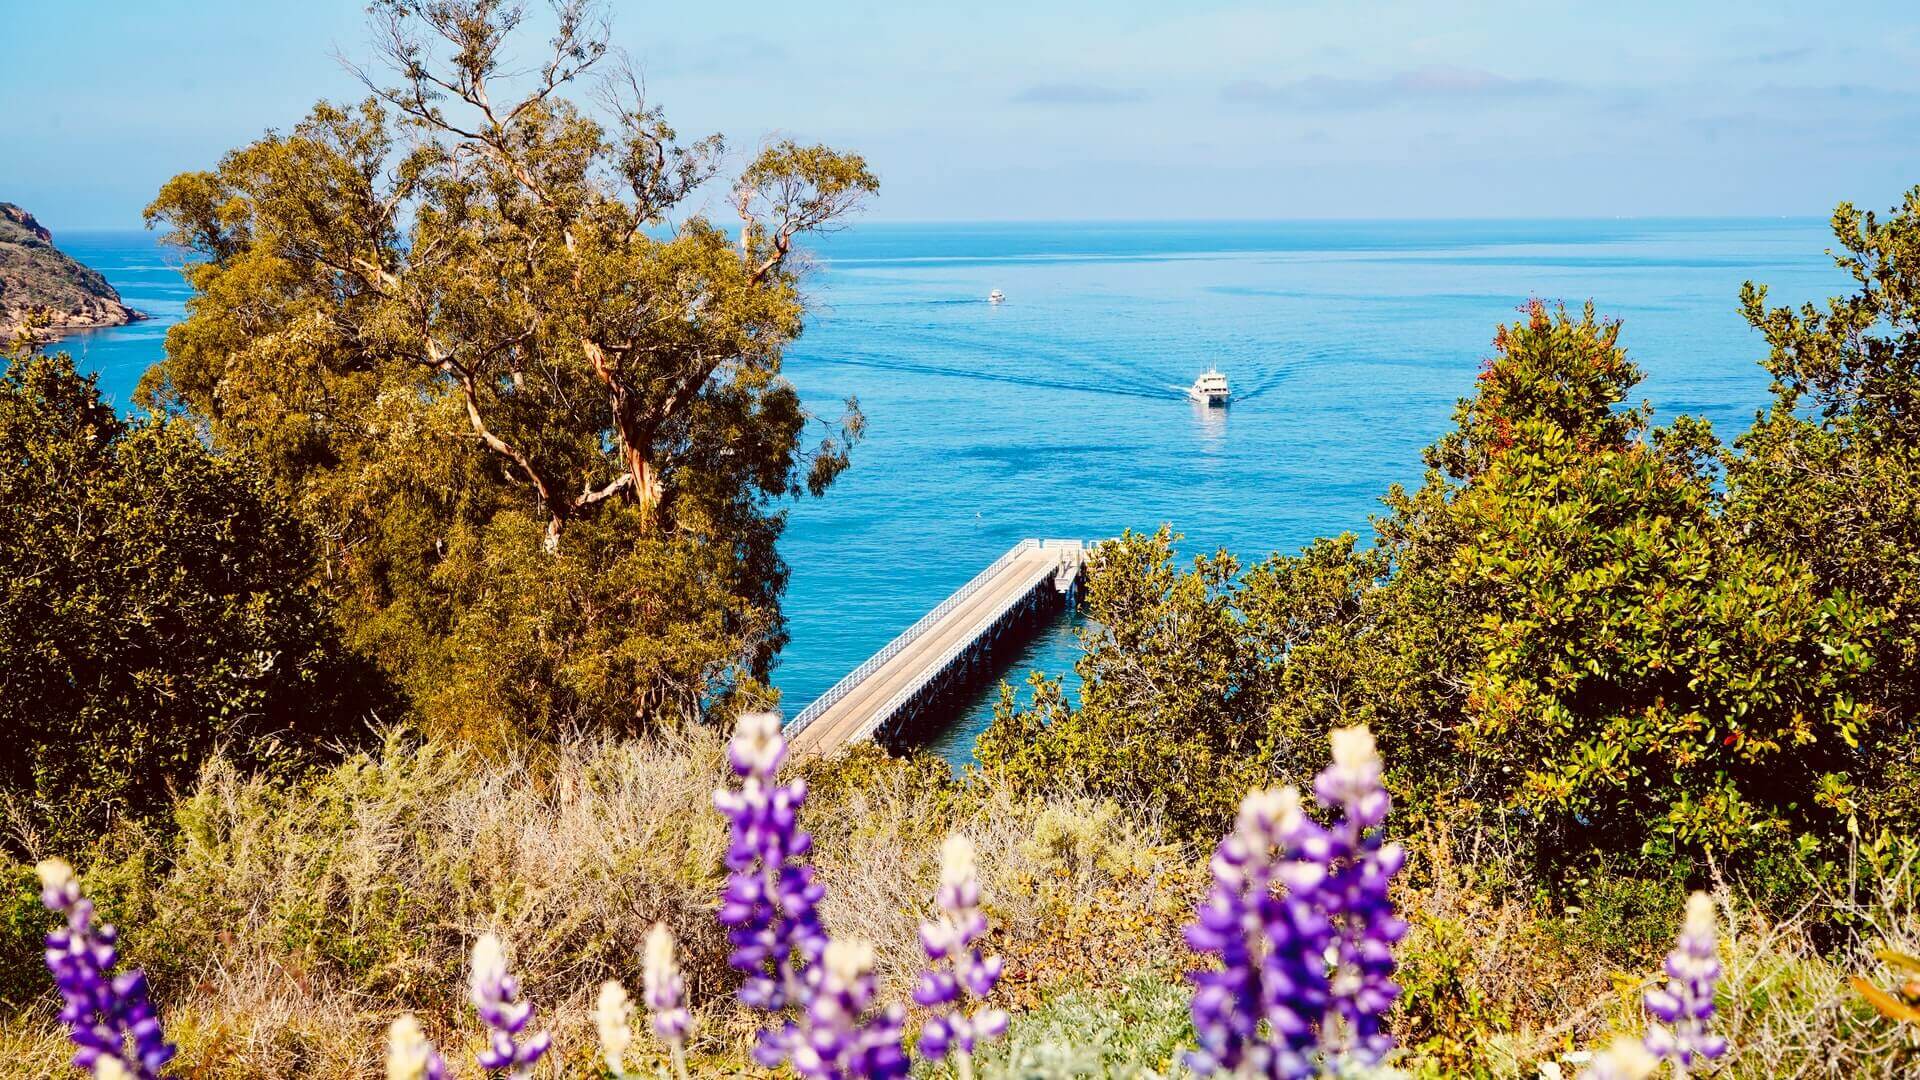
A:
{"points": [[398, 681], [47, 288]]}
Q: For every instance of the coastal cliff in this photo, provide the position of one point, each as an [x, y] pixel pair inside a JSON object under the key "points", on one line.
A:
{"points": [[35, 276]]}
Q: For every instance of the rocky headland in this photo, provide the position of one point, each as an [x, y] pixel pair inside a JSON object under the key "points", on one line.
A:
{"points": [[37, 278]]}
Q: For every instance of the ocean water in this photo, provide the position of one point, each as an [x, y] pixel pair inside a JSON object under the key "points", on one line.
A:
{"points": [[1060, 412], [148, 278]]}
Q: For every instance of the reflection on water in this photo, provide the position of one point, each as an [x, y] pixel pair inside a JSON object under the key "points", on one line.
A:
{"points": [[1211, 423]]}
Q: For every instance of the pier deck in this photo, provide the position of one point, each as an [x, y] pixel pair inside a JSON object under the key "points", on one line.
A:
{"points": [[886, 693]]}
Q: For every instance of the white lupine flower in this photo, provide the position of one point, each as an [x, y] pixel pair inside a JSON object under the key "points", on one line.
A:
{"points": [[756, 743], [489, 965], [1626, 1059], [610, 1017], [846, 961], [409, 1055], [958, 864], [55, 874]]}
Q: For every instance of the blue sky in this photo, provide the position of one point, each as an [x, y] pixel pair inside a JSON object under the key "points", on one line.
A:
{"points": [[983, 109]]}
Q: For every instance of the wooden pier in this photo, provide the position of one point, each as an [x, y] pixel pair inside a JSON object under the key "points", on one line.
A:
{"points": [[889, 695]]}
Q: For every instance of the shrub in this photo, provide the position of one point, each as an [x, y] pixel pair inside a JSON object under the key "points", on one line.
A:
{"points": [[1561, 632], [1136, 1027], [1175, 693], [156, 606], [1629, 675], [1829, 473], [24, 921]]}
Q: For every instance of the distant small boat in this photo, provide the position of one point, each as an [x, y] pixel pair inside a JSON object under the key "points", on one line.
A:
{"points": [[1209, 389], [996, 296]]}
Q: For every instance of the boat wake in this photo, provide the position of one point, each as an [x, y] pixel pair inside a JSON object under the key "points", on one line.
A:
{"points": [[1263, 381], [1059, 356], [994, 376]]}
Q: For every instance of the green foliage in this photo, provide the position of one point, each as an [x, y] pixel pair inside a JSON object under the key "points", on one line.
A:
{"points": [[23, 927], [1621, 914], [1184, 673], [1448, 1016], [1137, 1030], [1076, 839], [1563, 633], [461, 330], [1629, 674], [1831, 472], [155, 607], [1161, 645], [557, 640]]}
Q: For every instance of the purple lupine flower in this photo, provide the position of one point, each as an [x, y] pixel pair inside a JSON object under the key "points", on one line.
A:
{"points": [[1272, 944], [496, 997], [768, 905], [1366, 929], [1684, 1007], [956, 966], [666, 1005], [108, 1016], [818, 996], [843, 1040], [1299, 917], [409, 1055]]}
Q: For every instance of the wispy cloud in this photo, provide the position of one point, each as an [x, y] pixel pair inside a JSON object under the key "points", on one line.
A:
{"points": [[1784, 56], [1448, 84], [1838, 94], [1074, 93], [731, 54]]}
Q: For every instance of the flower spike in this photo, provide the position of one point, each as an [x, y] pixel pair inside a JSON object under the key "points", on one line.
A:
{"points": [[665, 1002], [956, 969], [1683, 1008], [496, 996], [1300, 920], [107, 1016]]}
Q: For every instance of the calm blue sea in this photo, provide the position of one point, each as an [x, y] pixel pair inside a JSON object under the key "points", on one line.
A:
{"points": [[1059, 413]]}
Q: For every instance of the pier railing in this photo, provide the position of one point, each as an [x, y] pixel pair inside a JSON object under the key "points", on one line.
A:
{"points": [[845, 686], [954, 652]]}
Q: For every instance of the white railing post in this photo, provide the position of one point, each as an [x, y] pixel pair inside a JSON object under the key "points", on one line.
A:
{"points": [[853, 678], [1072, 552], [899, 700]]}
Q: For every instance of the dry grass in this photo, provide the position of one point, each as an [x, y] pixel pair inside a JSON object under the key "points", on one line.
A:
{"points": [[1498, 988], [1792, 1012], [294, 924]]}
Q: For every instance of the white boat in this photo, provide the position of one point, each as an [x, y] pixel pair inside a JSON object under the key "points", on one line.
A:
{"points": [[996, 296], [1210, 388]]}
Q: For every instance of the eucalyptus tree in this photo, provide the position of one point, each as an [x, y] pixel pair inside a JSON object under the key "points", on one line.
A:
{"points": [[480, 329]]}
